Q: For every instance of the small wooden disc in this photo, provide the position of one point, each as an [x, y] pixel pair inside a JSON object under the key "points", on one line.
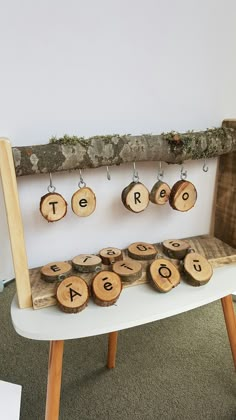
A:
{"points": [[175, 248], [183, 196], [197, 268], [163, 275], [55, 271], [142, 251], [106, 288], [72, 294], [83, 202], [53, 207], [85, 263], [110, 255], [135, 197], [160, 193], [128, 270]]}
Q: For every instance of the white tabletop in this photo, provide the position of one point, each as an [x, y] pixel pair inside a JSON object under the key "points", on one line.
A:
{"points": [[136, 306]]}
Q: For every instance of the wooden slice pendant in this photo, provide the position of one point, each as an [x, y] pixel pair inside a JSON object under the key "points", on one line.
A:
{"points": [[183, 196], [175, 248], [135, 197], [53, 207], [110, 255], [55, 271], [106, 288], [142, 251], [85, 263], [83, 202], [163, 275], [72, 294], [129, 271], [160, 193], [197, 269]]}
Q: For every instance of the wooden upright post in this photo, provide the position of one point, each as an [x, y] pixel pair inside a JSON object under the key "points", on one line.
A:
{"points": [[54, 380]]}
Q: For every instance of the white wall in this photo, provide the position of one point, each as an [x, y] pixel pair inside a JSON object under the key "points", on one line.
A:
{"points": [[109, 66]]}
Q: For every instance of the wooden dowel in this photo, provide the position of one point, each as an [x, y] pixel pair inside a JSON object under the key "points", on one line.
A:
{"points": [[54, 380], [112, 349], [230, 321]]}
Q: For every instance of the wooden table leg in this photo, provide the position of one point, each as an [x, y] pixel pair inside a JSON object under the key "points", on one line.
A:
{"points": [[230, 321], [112, 348], [54, 380]]}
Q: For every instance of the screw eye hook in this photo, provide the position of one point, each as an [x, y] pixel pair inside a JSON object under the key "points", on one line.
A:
{"points": [[205, 167], [184, 173], [51, 187], [135, 173], [160, 173], [108, 174], [81, 183]]}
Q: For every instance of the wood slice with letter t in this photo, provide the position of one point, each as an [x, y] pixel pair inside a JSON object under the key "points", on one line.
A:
{"points": [[142, 251], [197, 269], [55, 271], [128, 270], [175, 248], [87, 263], [110, 255], [183, 196], [163, 275], [106, 288], [72, 294], [83, 202], [135, 197], [53, 207], [160, 193]]}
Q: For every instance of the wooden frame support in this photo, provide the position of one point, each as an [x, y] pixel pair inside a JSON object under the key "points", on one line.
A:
{"points": [[230, 321], [54, 380], [112, 349]]}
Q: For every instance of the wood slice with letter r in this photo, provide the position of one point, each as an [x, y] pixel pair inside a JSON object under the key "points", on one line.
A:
{"points": [[135, 197], [83, 202], [175, 248], [160, 193], [197, 269], [142, 251], [55, 271], [183, 196], [106, 288], [110, 255], [163, 275], [87, 263], [128, 270], [72, 294], [53, 207]]}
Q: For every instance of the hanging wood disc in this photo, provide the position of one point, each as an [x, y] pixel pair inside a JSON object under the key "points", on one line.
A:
{"points": [[87, 263], [83, 202], [160, 193], [197, 269], [183, 196], [72, 294], [128, 270], [53, 207], [55, 271], [110, 255], [142, 251], [106, 288], [175, 248], [163, 275], [135, 197]]}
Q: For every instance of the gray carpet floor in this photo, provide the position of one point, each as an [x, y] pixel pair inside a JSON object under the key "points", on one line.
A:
{"points": [[176, 368]]}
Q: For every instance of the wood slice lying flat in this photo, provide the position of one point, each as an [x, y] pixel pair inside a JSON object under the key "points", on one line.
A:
{"points": [[160, 193], [72, 294], [110, 255], [87, 263], [55, 271], [183, 196], [53, 207], [163, 275], [135, 197], [175, 248], [106, 288], [83, 202], [128, 270], [142, 251], [198, 270]]}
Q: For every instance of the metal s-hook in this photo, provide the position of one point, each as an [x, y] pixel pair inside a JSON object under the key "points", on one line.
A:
{"points": [[51, 187], [183, 173], [135, 173], [81, 183]]}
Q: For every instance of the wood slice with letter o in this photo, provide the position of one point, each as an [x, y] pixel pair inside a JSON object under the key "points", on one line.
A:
{"points": [[85, 263], [128, 270], [72, 294], [55, 271], [110, 255], [160, 193], [53, 207], [106, 288], [163, 275], [142, 251], [197, 269], [183, 196], [83, 202], [175, 248], [135, 197]]}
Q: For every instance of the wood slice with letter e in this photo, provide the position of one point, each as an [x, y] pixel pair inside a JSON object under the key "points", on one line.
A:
{"points": [[197, 269], [175, 248], [135, 197], [128, 270], [87, 263], [183, 196], [55, 271], [72, 294], [163, 275], [142, 251], [83, 202], [160, 193], [53, 207], [110, 255], [106, 288]]}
